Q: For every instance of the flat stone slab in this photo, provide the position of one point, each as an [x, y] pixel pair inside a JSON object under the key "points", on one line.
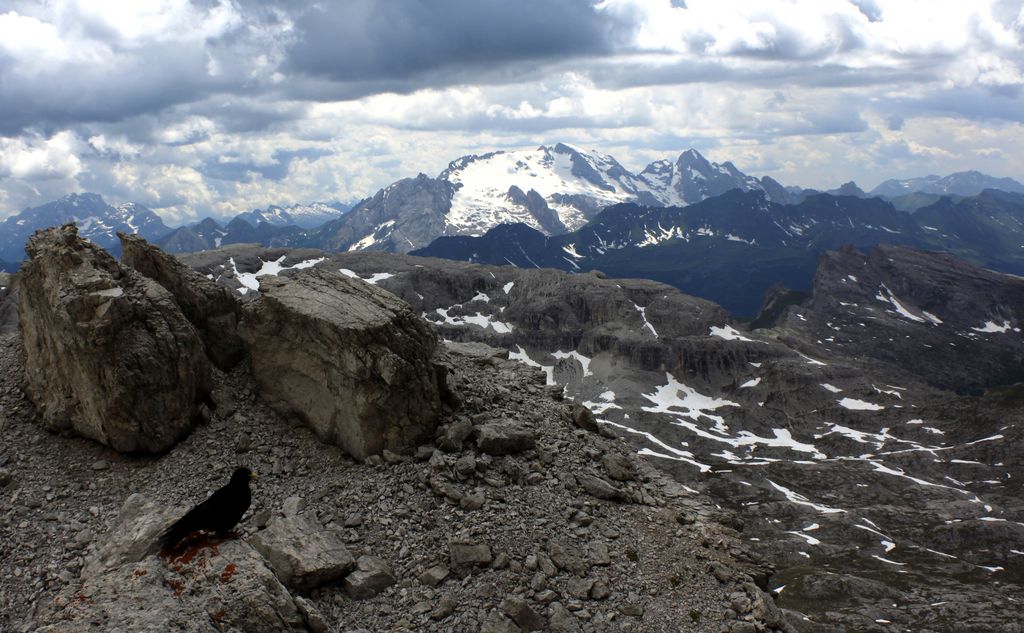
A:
{"points": [[302, 554]]}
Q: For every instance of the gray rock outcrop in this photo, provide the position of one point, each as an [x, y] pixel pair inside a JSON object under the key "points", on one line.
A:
{"points": [[8, 303], [212, 586], [371, 577], [108, 352], [210, 307], [351, 360], [303, 555]]}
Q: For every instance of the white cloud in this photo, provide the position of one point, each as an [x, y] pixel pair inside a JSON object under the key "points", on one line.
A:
{"points": [[198, 108], [35, 159]]}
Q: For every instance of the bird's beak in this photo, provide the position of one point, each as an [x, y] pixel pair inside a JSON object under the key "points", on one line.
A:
{"points": [[253, 475]]}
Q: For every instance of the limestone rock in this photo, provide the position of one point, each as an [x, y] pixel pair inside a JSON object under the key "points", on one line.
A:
{"points": [[91, 327], [434, 576], [504, 438], [619, 467], [498, 623], [352, 360], [210, 307], [302, 554], [523, 614], [371, 577], [469, 554], [227, 584], [597, 487], [584, 418], [133, 537]]}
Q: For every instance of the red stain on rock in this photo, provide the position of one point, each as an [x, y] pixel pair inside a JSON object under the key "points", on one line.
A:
{"points": [[229, 571]]}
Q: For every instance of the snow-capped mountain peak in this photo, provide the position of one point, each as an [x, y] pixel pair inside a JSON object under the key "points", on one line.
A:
{"points": [[571, 182], [97, 221]]}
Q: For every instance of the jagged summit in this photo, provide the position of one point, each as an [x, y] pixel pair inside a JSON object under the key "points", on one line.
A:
{"points": [[97, 221]]}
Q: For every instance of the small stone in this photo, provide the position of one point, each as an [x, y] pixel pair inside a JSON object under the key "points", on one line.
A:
{"points": [[560, 620], [372, 576], [473, 501], [468, 555], [100, 464], [722, 573], [392, 458], [584, 418], [353, 519], [634, 610], [5, 477], [314, 620], [597, 487], [452, 436], [579, 588], [421, 607], [523, 615], [465, 465], [444, 609], [504, 438], [292, 506], [244, 443], [261, 519], [434, 576], [496, 622], [423, 453], [619, 467], [538, 581], [500, 561], [567, 557], [546, 596], [547, 566], [598, 552], [599, 591]]}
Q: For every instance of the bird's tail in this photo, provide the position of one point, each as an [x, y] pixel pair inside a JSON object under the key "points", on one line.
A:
{"points": [[172, 536]]}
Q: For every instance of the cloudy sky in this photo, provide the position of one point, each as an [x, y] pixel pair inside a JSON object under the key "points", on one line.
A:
{"points": [[220, 106]]}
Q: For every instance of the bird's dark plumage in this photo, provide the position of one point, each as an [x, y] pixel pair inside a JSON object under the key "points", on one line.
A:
{"points": [[221, 512]]}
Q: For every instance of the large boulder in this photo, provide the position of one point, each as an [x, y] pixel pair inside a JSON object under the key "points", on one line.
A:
{"points": [[351, 360], [108, 353], [212, 586], [210, 307]]}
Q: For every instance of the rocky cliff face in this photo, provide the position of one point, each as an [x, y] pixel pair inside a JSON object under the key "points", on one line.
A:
{"points": [[211, 308], [108, 352], [351, 360], [893, 304]]}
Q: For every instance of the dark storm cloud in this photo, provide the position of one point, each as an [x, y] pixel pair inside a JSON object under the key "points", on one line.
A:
{"points": [[368, 40], [81, 92]]}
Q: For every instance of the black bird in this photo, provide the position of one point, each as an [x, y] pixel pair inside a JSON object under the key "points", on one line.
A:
{"points": [[221, 512]]}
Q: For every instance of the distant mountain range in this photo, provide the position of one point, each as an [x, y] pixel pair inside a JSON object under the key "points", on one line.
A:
{"points": [[550, 189], [97, 221], [306, 216], [705, 227], [732, 248], [962, 183]]}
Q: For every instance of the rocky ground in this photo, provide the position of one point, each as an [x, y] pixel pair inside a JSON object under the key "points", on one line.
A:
{"points": [[884, 502], [663, 564], [850, 472]]}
